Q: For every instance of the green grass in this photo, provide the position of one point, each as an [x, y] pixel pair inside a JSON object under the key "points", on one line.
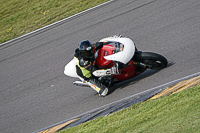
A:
{"points": [[178, 113], [19, 17]]}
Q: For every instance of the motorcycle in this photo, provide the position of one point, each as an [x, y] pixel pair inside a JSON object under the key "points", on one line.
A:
{"points": [[118, 60]]}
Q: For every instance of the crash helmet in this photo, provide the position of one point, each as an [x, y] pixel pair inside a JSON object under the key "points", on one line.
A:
{"points": [[86, 49]]}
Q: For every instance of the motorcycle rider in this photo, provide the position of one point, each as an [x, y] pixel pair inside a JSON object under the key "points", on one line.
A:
{"points": [[85, 60]]}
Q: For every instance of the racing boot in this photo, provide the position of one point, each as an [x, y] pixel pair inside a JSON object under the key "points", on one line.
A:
{"points": [[98, 86], [103, 92]]}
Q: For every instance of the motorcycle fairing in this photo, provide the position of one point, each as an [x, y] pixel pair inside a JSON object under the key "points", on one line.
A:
{"points": [[126, 73], [70, 69], [126, 54], [101, 62]]}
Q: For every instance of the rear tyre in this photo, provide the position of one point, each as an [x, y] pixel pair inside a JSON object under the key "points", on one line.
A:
{"points": [[153, 60]]}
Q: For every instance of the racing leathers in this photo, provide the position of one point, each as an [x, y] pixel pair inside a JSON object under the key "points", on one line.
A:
{"points": [[85, 68]]}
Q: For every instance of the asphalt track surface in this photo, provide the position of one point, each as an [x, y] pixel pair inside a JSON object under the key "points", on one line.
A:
{"points": [[34, 92]]}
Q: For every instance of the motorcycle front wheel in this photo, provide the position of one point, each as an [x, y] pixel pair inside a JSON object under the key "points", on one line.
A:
{"points": [[153, 60]]}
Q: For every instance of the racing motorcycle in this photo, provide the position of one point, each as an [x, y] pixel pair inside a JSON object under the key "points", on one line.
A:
{"points": [[118, 60]]}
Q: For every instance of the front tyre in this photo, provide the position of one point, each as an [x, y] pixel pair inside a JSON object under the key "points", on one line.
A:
{"points": [[153, 60]]}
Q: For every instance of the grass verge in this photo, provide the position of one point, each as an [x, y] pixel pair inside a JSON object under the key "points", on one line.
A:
{"points": [[18, 17], [179, 112]]}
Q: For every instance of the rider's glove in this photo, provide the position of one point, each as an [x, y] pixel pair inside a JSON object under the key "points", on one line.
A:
{"points": [[99, 73], [98, 45], [113, 70]]}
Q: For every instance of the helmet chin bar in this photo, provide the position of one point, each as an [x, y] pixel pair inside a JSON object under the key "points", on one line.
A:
{"points": [[87, 54]]}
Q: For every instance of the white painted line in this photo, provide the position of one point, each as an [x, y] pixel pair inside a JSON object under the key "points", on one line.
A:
{"points": [[55, 23]]}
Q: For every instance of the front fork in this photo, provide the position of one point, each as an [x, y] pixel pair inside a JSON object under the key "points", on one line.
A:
{"points": [[140, 64], [137, 61]]}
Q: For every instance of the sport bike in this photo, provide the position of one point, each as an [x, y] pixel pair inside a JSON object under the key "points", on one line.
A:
{"points": [[118, 60]]}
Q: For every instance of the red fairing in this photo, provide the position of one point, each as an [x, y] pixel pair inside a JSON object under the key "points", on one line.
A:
{"points": [[101, 62], [126, 73]]}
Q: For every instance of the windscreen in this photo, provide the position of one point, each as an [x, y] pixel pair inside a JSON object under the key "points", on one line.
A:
{"points": [[118, 47]]}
